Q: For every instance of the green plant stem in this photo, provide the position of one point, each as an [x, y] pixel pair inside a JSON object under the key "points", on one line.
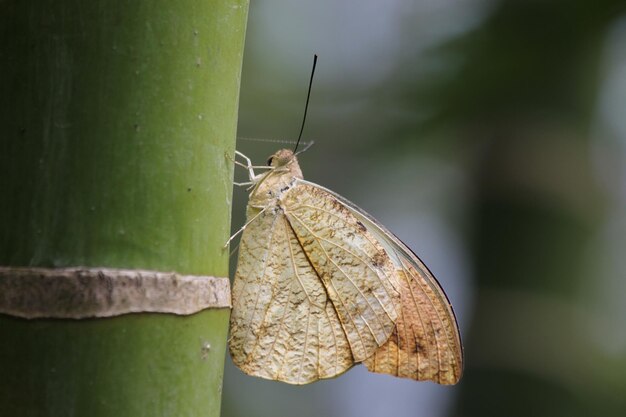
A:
{"points": [[116, 119]]}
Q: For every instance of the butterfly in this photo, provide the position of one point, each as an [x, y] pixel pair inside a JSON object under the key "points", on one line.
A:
{"points": [[321, 286]]}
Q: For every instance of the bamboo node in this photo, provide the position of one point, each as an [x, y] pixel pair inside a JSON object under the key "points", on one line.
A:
{"points": [[82, 292]]}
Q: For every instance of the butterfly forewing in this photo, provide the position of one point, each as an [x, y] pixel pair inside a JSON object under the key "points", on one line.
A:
{"points": [[282, 325], [355, 270], [426, 343]]}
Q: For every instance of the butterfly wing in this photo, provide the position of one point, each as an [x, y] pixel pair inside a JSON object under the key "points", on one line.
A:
{"points": [[357, 273], [426, 343], [283, 327]]}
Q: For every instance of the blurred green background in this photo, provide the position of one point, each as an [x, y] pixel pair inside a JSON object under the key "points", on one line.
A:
{"points": [[490, 136]]}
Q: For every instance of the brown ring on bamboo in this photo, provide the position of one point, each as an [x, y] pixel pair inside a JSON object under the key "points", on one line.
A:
{"points": [[81, 292]]}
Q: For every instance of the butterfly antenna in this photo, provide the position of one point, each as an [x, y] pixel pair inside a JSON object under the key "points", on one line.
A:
{"points": [[308, 145], [306, 106]]}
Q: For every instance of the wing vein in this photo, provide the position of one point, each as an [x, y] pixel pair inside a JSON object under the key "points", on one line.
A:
{"points": [[256, 301], [318, 238], [334, 340], [366, 235], [295, 269], [306, 339], [418, 309]]}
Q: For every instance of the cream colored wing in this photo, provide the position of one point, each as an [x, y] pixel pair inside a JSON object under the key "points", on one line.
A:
{"points": [[283, 327], [426, 343], [357, 273]]}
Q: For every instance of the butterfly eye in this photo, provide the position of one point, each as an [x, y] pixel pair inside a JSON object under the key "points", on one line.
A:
{"points": [[269, 161]]}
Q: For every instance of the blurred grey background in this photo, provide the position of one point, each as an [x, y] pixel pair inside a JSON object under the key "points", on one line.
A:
{"points": [[490, 136]]}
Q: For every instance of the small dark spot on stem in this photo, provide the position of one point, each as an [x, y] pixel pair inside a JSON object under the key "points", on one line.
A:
{"points": [[205, 350], [361, 226]]}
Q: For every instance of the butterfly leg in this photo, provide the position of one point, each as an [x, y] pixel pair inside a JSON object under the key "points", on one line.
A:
{"points": [[244, 227], [251, 175]]}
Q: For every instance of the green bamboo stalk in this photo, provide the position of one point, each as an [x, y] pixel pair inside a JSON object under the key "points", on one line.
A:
{"points": [[116, 118]]}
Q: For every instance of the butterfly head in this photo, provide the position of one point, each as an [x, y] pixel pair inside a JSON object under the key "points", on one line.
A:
{"points": [[285, 160], [277, 180]]}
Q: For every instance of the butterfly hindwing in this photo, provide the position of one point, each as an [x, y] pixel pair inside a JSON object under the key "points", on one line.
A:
{"points": [[283, 326]]}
